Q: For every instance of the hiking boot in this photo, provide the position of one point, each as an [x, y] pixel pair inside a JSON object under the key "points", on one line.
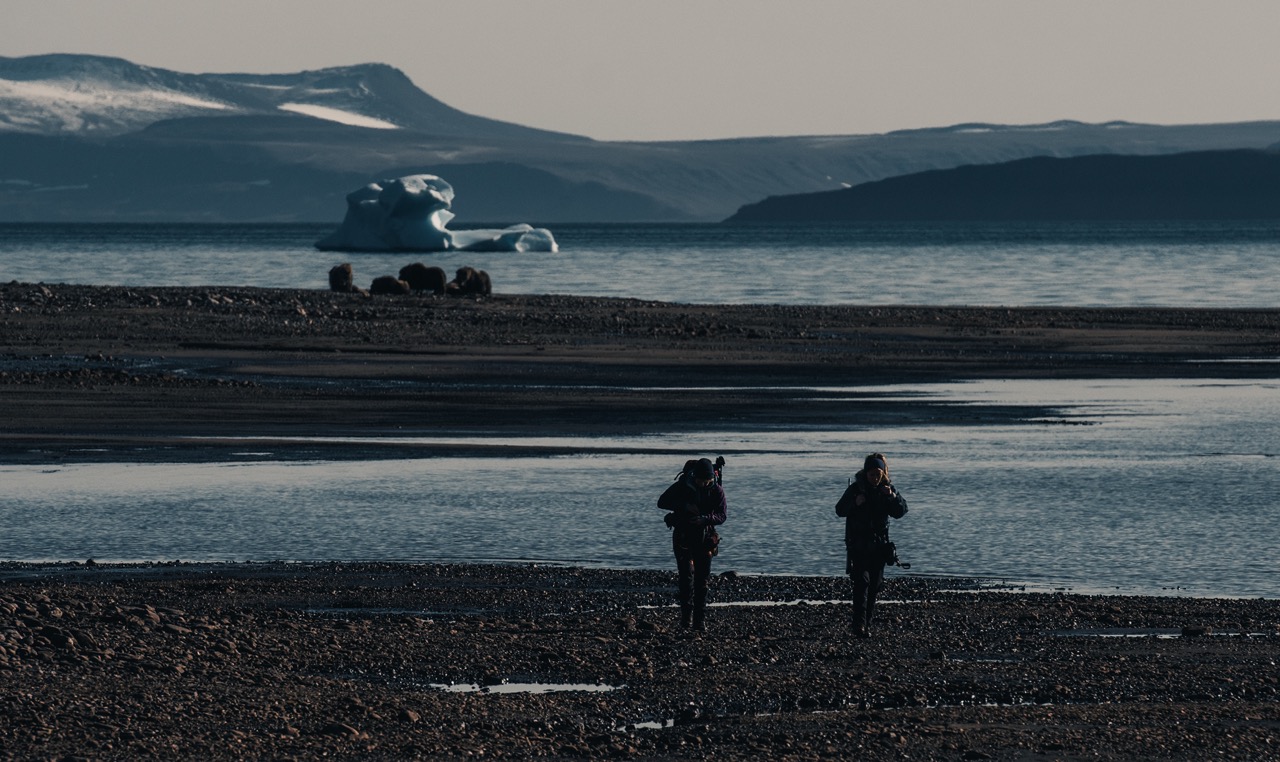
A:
{"points": [[860, 631], [685, 614], [699, 623]]}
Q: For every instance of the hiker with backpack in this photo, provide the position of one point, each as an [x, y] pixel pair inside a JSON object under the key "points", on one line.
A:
{"points": [[696, 506], [866, 506]]}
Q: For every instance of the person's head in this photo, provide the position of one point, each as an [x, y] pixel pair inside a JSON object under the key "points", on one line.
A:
{"points": [[876, 468], [704, 473]]}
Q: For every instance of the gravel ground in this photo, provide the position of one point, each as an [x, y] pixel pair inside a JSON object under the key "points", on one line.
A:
{"points": [[275, 661]]}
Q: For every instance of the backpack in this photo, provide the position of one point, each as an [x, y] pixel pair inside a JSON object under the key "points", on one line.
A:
{"points": [[687, 471]]}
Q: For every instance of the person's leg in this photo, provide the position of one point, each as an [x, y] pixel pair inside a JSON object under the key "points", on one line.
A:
{"points": [[875, 578], [701, 577], [684, 587], [861, 577]]}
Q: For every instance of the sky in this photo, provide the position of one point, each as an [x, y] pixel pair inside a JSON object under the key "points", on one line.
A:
{"points": [[707, 69]]}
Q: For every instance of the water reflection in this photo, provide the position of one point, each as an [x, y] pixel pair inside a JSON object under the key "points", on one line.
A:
{"points": [[523, 688]]}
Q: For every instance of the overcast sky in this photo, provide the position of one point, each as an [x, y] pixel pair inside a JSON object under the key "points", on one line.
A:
{"points": [[682, 69]]}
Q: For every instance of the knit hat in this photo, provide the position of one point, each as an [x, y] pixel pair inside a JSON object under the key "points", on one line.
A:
{"points": [[703, 469], [875, 461]]}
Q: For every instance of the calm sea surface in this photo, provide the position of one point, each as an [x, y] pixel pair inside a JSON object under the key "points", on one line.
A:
{"points": [[1164, 487], [1208, 264]]}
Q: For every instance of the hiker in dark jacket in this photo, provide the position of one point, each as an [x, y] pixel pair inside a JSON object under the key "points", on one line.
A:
{"points": [[866, 506], [697, 506]]}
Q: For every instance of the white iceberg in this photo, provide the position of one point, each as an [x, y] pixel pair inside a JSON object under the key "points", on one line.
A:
{"points": [[410, 213]]}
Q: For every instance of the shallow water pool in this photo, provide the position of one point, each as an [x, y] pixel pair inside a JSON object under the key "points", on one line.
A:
{"points": [[1165, 487]]}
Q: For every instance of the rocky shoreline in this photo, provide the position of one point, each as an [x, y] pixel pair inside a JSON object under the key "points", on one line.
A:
{"points": [[404, 661]]}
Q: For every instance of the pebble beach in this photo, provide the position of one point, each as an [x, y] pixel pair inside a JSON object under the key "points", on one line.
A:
{"points": [[388, 661]]}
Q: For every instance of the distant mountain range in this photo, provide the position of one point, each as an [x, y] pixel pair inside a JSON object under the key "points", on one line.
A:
{"points": [[87, 138], [1205, 185], [90, 95]]}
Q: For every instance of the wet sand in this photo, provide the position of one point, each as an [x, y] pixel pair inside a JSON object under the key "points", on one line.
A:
{"points": [[390, 661], [126, 367]]}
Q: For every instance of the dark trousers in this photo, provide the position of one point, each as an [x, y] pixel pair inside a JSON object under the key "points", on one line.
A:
{"points": [[867, 578], [694, 569]]}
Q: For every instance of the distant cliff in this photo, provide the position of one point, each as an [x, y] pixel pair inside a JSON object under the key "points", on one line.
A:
{"points": [[1209, 185]]}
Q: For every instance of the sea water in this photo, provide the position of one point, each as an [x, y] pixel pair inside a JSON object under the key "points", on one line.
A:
{"points": [[1209, 264], [1164, 487]]}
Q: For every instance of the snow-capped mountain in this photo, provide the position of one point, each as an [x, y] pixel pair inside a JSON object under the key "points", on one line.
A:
{"points": [[93, 95]]}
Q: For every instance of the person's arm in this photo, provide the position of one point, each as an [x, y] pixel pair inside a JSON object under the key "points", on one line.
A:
{"points": [[719, 511], [847, 503], [894, 503]]}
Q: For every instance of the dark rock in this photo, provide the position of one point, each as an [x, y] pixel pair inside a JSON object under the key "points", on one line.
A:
{"points": [[339, 729], [85, 639], [58, 638], [144, 613]]}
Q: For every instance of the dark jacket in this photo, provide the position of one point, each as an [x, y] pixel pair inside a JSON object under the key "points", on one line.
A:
{"points": [[696, 512], [866, 526]]}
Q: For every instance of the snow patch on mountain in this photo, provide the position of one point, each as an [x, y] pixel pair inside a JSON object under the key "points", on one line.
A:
{"points": [[75, 92], [72, 106], [338, 115]]}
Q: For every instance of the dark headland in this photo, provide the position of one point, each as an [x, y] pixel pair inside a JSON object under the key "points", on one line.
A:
{"points": [[1203, 185], [340, 660]]}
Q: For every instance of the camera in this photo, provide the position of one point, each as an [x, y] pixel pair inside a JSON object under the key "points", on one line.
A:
{"points": [[889, 555]]}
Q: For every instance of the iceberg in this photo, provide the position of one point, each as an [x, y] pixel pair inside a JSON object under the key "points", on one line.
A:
{"points": [[410, 214]]}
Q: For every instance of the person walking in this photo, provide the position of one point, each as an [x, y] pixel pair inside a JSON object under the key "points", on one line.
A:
{"points": [[866, 506], [696, 505]]}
